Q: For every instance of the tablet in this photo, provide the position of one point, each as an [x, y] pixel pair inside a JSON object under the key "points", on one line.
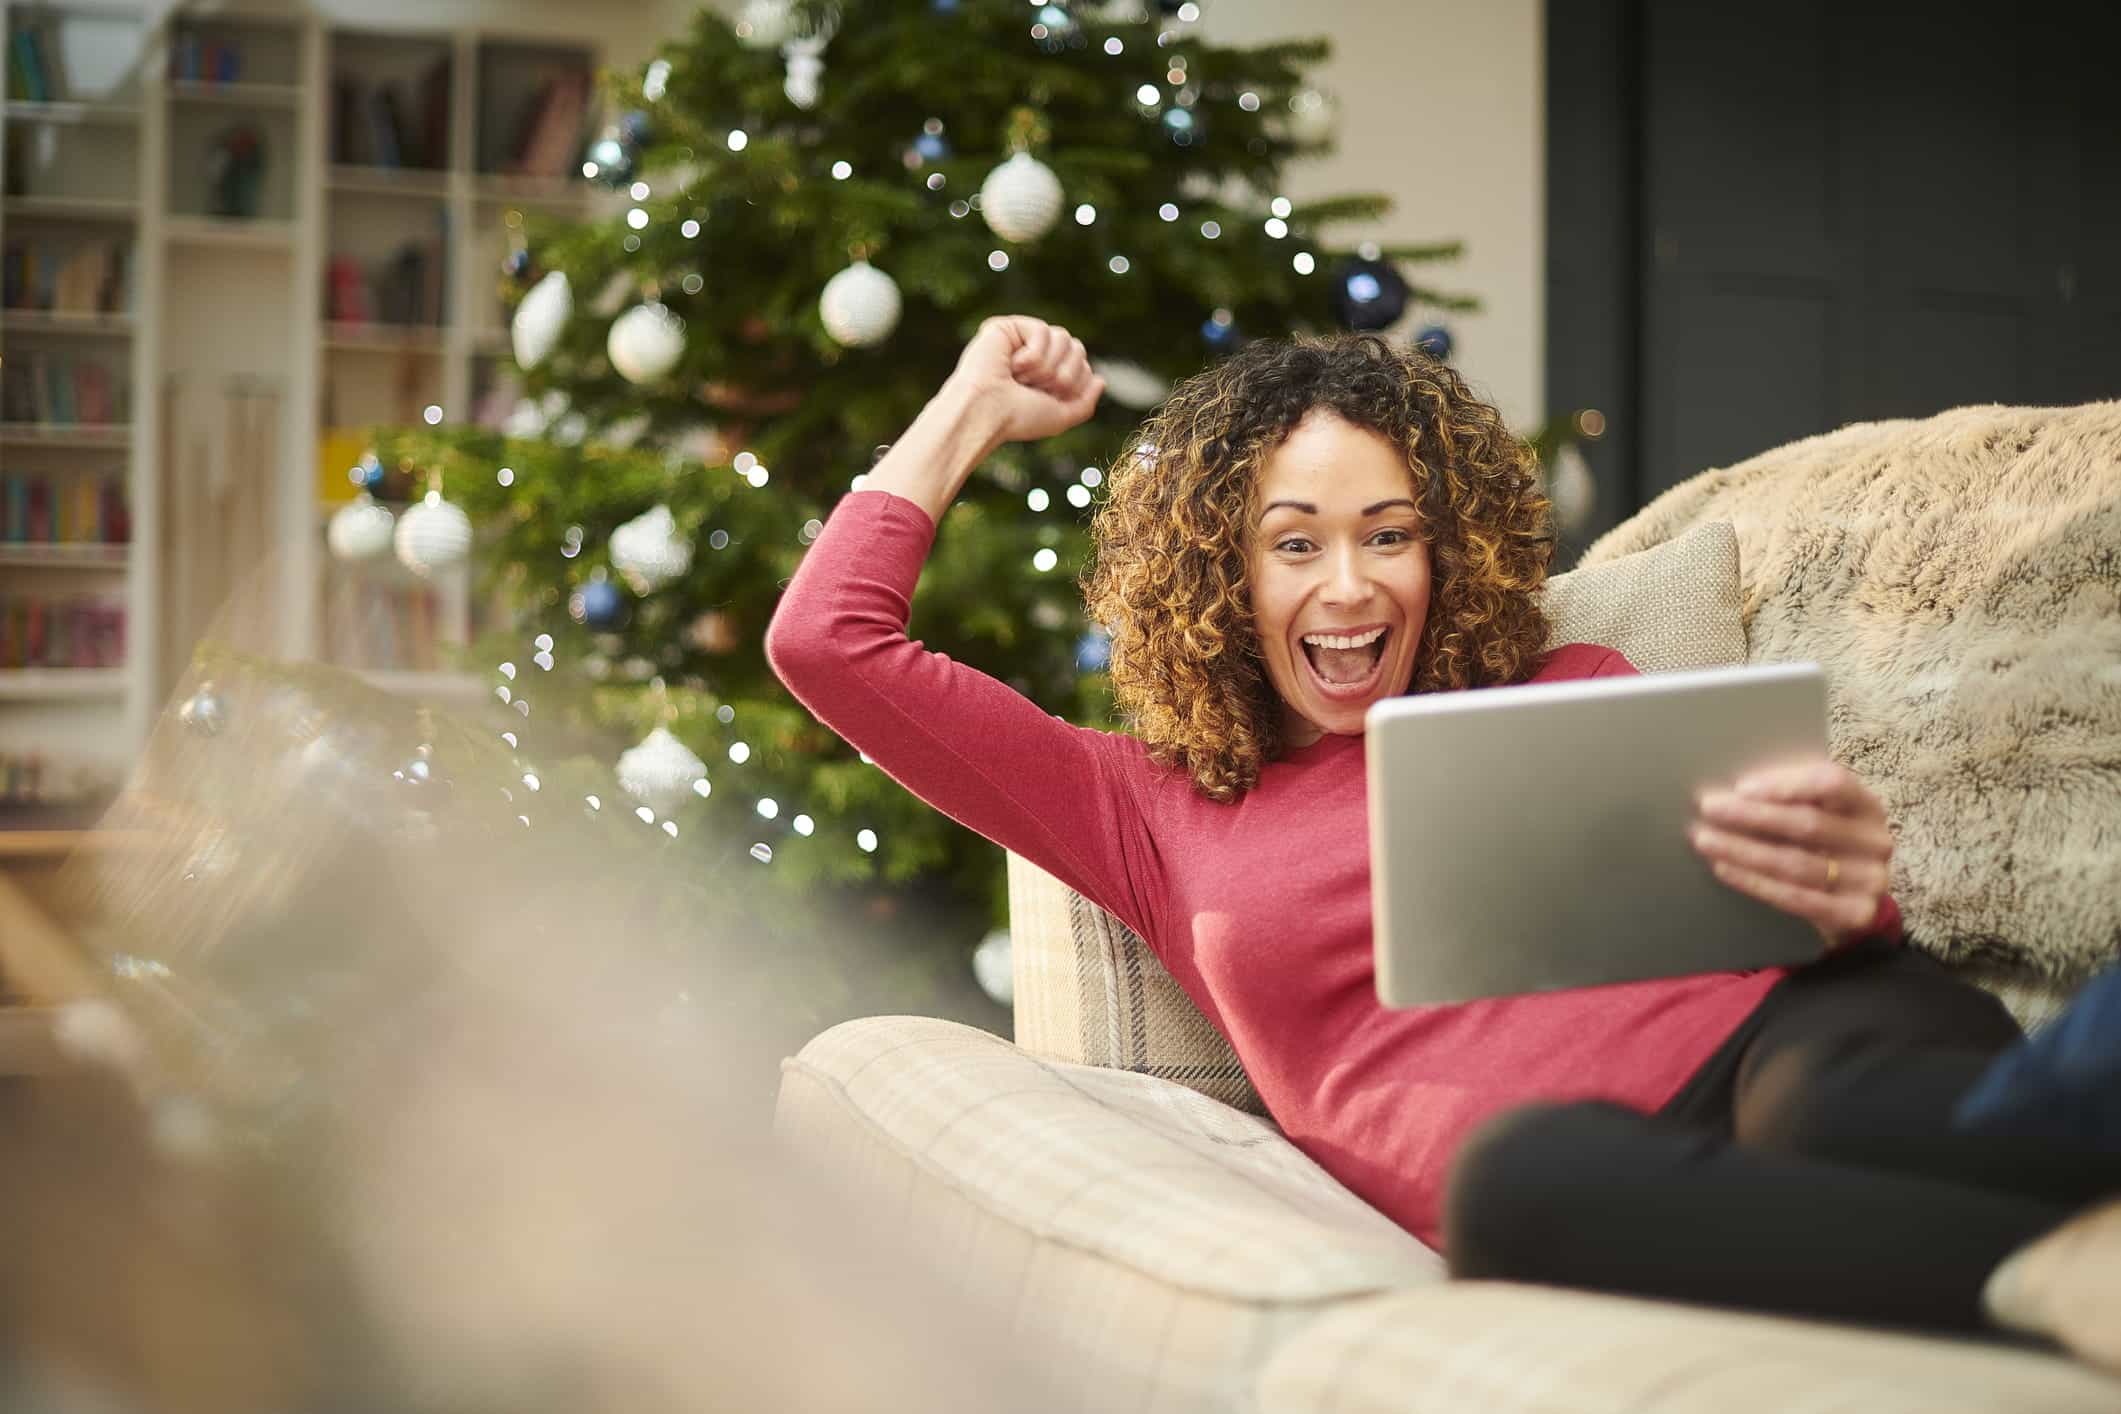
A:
{"points": [[1524, 839]]}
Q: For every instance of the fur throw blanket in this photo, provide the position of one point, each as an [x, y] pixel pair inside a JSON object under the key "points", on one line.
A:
{"points": [[1959, 578]]}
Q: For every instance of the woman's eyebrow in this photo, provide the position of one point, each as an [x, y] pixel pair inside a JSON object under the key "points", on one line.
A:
{"points": [[1310, 510]]}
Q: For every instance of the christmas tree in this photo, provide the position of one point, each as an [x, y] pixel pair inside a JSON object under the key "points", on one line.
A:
{"points": [[817, 204]]}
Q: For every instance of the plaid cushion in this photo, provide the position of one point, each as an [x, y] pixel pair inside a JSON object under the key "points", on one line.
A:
{"points": [[1531, 1350], [1088, 990], [1166, 1243]]}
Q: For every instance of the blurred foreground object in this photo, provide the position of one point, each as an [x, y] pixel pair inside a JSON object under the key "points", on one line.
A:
{"points": [[418, 1082]]}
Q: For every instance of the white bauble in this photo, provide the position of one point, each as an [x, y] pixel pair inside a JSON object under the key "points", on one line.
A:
{"points": [[1572, 489], [661, 772], [645, 342], [539, 319], [433, 535], [1129, 384], [649, 551], [994, 968], [860, 306], [1021, 199], [360, 530], [765, 24], [806, 73]]}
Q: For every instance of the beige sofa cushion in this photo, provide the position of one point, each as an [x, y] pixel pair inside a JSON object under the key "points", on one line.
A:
{"points": [[1532, 1350], [1089, 991], [1169, 1242], [1957, 577]]}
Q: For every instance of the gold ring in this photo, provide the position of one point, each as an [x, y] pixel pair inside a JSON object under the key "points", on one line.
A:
{"points": [[1833, 871]]}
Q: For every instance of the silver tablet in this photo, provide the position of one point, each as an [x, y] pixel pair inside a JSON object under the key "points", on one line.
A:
{"points": [[1529, 838]]}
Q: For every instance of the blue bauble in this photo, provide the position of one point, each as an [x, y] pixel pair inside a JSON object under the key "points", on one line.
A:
{"points": [[1183, 126], [1368, 294], [1093, 651], [943, 7], [1435, 341], [603, 604], [1219, 331], [634, 128], [613, 157], [933, 147]]}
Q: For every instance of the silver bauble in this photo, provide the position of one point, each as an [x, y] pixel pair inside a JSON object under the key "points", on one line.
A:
{"points": [[539, 319], [433, 535], [646, 342], [661, 772], [360, 529], [860, 305], [1021, 199], [649, 551]]}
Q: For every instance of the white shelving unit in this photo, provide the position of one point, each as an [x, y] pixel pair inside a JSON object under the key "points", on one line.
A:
{"points": [[228, 315]]}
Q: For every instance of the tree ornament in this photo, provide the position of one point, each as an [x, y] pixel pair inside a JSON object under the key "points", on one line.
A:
{"points": [[806, 70], [433, 535], [1219, 331], [993, 967], [661, 772], [646, 342], [649, 551], [1368, 294], [360, 529], [1054, 29], [635, 128], [1129, 384], [205, 711], [1021, 199], [539, 318], [1093, 651], [929, 145], [1183, 126], [598, 605], [1435, 341], [765, 24], [1572, 489], [519, 267], [610, 160], [859, 306]]}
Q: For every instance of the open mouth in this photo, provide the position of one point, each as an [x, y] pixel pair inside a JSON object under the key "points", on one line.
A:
{"points": [[1345, 671]]}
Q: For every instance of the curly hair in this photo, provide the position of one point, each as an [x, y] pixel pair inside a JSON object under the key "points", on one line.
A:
{"points": [[1168, 578]]}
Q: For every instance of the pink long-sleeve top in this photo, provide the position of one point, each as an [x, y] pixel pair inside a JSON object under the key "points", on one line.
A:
{"points": [[1260, 909]]}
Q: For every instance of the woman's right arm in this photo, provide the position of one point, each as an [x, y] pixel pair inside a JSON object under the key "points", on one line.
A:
{"points": [[1069, 799]]}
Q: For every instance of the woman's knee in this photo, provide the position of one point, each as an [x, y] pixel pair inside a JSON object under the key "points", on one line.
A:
{"points": [[1520, 1180]]}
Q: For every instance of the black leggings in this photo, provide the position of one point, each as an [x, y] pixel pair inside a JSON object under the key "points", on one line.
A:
{"points": [[1810, 1166]]}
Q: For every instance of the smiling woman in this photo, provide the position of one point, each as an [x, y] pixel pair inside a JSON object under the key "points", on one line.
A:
{"points": [[1313, 487]]}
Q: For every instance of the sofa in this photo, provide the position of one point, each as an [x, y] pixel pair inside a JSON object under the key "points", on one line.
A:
{"points": [[1111, 1182]]}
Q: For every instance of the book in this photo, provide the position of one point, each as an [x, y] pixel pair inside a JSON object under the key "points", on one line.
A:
{"points": [[433, 143], [384, 130]]}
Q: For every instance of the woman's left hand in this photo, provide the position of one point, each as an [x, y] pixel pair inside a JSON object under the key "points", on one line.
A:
{"points": [[1810, 839]]}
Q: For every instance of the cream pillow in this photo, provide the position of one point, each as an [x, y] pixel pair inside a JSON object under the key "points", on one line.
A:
{"points": [[1670, 607]]}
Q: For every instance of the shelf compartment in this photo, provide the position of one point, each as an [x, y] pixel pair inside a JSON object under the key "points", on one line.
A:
{"points": [[385, 338], [64, 111], [65, 434], [422, 182], [21, 555], [60, 684], [230, 231], [205, 93], [87, 325], [112, 209]]}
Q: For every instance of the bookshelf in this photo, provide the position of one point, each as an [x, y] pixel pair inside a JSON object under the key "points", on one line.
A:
{"points": [[73, 125], [180, 181]]}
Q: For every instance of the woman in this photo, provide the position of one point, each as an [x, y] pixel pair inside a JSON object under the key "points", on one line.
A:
{"points": [[1296, 533]]}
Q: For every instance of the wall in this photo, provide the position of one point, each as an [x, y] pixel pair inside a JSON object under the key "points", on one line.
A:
{"points": [[1443, 109]]}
